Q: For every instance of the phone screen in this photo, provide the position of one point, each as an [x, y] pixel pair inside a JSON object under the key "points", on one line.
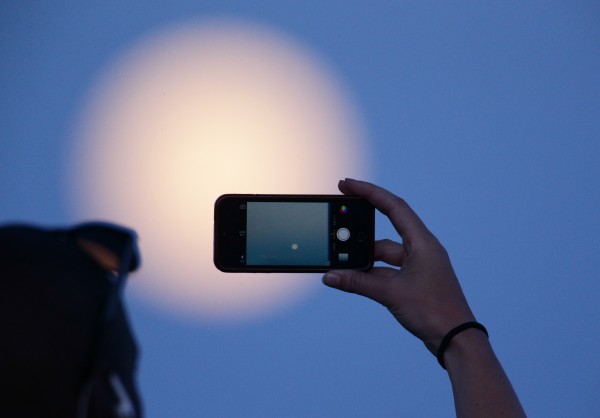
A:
{"points": [[287, 233], [292, 233]]}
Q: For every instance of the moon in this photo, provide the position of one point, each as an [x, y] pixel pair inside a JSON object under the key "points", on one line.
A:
{"points": [[196, 110]]}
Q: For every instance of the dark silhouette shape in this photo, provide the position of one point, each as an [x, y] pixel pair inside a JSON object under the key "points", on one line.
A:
{"points": [[66, 346]]}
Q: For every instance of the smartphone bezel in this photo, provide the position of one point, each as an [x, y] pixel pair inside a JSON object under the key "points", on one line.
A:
{"points": [[369, 232]]}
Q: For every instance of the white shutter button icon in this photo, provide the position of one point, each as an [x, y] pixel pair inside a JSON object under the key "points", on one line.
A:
{"points": [[343, 234]]}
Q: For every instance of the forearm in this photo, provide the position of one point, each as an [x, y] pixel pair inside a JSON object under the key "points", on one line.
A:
{"points": [[480, 385]]}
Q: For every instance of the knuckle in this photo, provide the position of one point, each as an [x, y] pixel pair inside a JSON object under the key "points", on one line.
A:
{"points": [[355, 282], [387, 242]]}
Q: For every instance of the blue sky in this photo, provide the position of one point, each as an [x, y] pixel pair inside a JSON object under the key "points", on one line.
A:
{"points": [[483, 115]]}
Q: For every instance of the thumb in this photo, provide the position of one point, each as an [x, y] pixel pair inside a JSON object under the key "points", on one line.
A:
{"points": [[355, 281]]}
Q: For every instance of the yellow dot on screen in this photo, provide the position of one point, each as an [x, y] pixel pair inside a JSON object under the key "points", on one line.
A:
{"points": [[194, 111]]}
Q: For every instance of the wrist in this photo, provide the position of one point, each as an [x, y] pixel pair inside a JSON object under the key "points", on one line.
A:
{"points": [[479, 384], [468, 347], [447, 340]]}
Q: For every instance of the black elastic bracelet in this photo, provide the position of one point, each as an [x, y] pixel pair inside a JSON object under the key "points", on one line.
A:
{"points": [[446, 341]]}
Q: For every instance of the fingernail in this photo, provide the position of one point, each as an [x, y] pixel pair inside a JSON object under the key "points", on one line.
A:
{"points": [[331, 279]]}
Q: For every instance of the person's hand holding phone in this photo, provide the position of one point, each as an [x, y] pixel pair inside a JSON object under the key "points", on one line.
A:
{"points": [[423, 294], [422, 291]]}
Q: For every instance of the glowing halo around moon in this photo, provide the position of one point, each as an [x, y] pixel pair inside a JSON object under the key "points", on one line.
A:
{"points": [[195, 111]]}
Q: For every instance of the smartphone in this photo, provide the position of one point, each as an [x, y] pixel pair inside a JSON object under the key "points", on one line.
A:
{"points": [[293, 233]]}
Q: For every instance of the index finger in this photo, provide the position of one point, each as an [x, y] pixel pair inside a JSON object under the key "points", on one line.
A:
{"points": [[403, 218]]}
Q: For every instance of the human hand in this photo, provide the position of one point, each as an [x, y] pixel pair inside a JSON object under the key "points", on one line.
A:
{"points": [[423, 293]]}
